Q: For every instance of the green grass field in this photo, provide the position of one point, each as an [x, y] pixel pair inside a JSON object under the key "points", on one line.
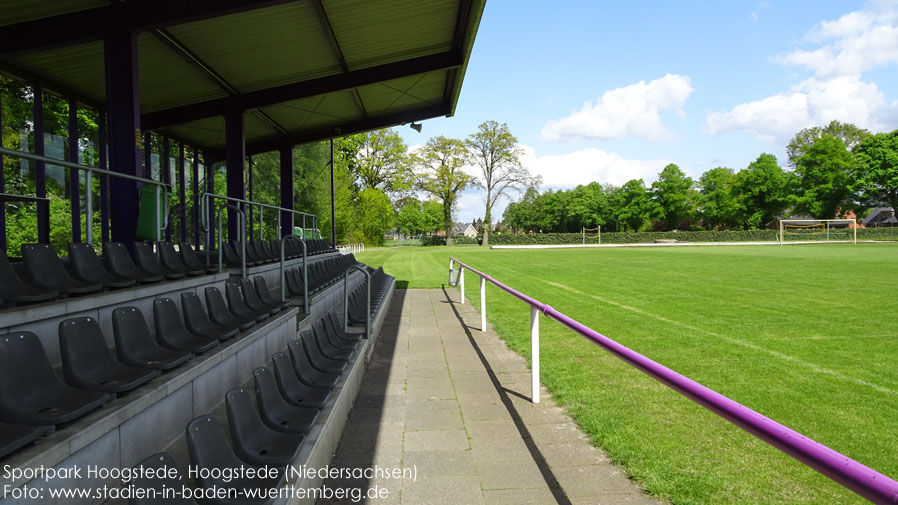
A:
{"points": [[806, 335]]}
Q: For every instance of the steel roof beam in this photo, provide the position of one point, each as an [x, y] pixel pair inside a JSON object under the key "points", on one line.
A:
{"points": [[138, 15], [303, 89]]}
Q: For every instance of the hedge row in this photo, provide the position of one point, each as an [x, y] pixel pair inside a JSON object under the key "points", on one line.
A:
{"points": [[434, 240]]}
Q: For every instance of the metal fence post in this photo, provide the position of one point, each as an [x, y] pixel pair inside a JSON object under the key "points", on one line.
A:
{"points": [[483, 304], [461, 282], [534, 355]]}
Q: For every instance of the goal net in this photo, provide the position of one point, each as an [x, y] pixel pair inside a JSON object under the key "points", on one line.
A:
{"points": [[592, 235], [818, 230]]}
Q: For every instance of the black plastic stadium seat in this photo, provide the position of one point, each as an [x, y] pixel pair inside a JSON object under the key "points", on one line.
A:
{"points": [[135, 346], [197, 321], [88, 364], [220, 314], [159, 464], [238, 306], [254, 302], [15, 436], [276, 413], [30, 393], [326, 347], [264, 293], [191, 260], [304, 370], [12, 289], [254, 442], [170, 260], [45, 270], [294, 391], [121, 264], [147, 261], [334, 325], [323, 327], [216, 463], [86, 266], [170, 330], [319, 361]]}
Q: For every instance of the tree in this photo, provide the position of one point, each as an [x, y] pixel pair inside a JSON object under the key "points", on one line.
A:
{"points": [[671, 194], [632, 206], [381, 160], [876, 169], [802, 141], [494, 149], [717, 205], [823, 177], [431, 216], [762, 190], [411, 217], [375, 215], [587, 207], [441, 162]]}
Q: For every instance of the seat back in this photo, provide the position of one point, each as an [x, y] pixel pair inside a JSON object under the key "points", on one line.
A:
{"points": [[251, 297], [236, 303], [25, 370], [169, 257], [85, 262], [146, 259], [243, 418], [209, 449], [132, 335], [268, 396], [170, 328], [44, 267], [83, 349], [166, 484], [262, 290], [119, 261], [189, 257], [218, 309], [285, 375]]}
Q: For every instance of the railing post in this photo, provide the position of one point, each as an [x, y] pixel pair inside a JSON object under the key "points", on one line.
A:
{"points": [[483, 304], [534, 355], [461, 283]]}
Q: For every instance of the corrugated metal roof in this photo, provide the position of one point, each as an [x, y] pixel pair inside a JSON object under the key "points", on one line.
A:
{"points": [[168, 80], [76, 67], [17, 11]]}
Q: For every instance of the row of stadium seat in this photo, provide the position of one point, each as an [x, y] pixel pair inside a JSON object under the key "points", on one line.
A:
{"points": [[358, 298], [289, 394], [260, 252], [32, 397], [321, 274], [43, 275]]}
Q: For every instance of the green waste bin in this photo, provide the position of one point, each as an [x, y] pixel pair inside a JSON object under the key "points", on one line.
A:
{"points": [[146, 223]]}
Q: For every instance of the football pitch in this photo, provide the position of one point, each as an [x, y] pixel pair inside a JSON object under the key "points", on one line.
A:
{"points": [[806, 335]]}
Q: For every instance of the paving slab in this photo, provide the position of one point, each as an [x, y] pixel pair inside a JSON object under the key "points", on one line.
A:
{"points": [[450, 405]]}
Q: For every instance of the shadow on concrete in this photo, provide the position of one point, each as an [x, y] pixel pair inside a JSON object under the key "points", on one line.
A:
{"points": [[538, 458]]}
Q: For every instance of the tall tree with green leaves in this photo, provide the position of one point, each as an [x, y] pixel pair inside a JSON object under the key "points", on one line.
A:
{"points": [[495, 151], [431, 216], [850, 135], [716, 204], [672, 196], [410, 217], [823, 175], [876, 169], [441, 174], [374, 215], [763, 190], [382, 161], [632, 205]]}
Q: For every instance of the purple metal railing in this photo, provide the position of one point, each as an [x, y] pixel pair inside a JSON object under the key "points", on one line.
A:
{"points": [[861, 479]]}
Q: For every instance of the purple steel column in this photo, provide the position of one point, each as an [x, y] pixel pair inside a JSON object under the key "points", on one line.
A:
{"points": [[195, 167], [40, 170], [235, 152], [286, 154], [210, 188], [333, 202], [74, 175], [123, 108], [104, 180], [166, 178], [182, 192]]}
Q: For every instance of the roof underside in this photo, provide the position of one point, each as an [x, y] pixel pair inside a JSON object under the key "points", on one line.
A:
{"points": [[300, 70]]}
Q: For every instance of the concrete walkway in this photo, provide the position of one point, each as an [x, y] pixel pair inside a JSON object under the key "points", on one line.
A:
{"points": [[451, 405]]}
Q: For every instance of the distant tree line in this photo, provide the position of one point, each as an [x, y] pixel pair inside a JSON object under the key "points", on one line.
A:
{"points": [[831, 170]]}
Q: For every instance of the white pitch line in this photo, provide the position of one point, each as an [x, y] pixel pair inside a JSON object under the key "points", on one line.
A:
{"points": [[743, 343]]}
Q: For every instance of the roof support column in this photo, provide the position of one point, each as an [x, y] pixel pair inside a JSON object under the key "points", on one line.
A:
{"points": [[195, 167], [249, 211], [2, 188], [74, 175], [333, 201], [104, 180], [165, 176], [182, 192], [235, 151], [40, 169], [123, 109], [286, 190]]}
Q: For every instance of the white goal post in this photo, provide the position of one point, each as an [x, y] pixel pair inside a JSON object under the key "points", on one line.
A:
{"points": [[815, 229]]}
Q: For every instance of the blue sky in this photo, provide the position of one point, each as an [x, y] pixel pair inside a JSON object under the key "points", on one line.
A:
{"points": [[612, 91]]}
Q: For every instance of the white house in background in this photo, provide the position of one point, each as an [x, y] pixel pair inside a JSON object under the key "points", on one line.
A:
{"points": [[468, 230]]}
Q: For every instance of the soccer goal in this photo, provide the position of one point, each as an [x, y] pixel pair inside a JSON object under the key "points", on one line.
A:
{"points": [[818, 230], [592, 233]]}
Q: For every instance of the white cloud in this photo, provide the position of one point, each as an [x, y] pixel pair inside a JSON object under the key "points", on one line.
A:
{"points": [[632, 110], [569, 170], [849, 46]]}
